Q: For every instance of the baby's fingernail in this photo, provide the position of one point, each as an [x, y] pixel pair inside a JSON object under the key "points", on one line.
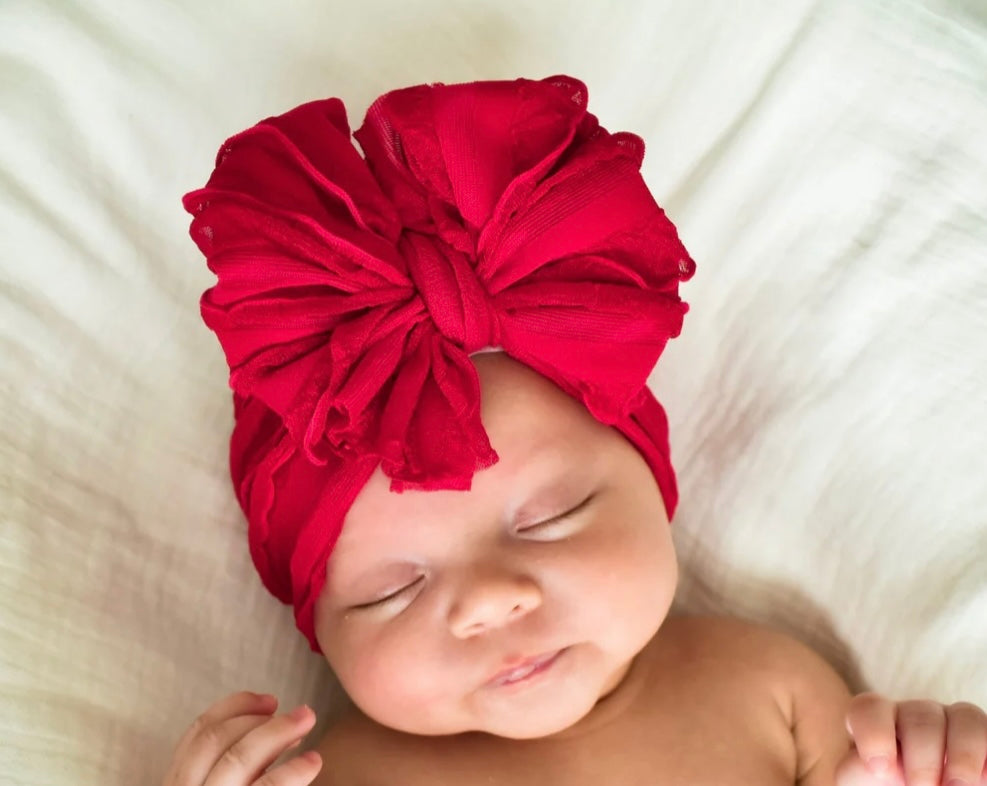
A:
{"points": [[299, 713], [879, 764]]}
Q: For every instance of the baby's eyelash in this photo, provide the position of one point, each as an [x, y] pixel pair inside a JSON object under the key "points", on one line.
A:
{"points": [[391, 596], [561, 516]]}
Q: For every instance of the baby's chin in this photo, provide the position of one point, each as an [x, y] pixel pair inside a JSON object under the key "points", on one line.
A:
{"points": [[530, 728], [518, 722], [542, 719], [521, 726]]}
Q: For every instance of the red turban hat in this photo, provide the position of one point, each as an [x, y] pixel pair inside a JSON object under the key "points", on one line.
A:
{"points": [[352, 290]]}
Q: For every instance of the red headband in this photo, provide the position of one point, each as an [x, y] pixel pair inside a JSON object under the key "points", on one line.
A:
{"points": [[351, 292]]}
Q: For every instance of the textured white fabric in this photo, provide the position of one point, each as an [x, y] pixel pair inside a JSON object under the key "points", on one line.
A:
{"points": [[825, 163]]}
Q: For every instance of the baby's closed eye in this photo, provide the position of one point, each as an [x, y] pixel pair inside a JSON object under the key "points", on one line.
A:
{"points": [[404, 589], [557, 526], [392, 594]]}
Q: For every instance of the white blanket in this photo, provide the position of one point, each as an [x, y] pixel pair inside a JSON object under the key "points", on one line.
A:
{"points": [[826, 163]]}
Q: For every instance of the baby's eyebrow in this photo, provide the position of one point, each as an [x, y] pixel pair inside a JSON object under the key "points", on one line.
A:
{"points": [[376, 573]]}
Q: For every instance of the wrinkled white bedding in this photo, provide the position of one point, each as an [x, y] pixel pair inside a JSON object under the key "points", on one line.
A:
{"points": [[826, 163]]}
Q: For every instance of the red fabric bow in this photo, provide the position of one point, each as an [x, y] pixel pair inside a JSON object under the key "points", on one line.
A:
{"points": [[352, 291]]}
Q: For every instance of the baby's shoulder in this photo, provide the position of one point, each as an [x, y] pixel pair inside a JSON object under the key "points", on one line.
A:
{"points": [[809, 693], [357, 751], [746, 653], [354, 746], [731, 657], [710, 629], [732, 641]]}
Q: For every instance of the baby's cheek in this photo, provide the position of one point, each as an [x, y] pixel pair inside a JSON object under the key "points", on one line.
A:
{"points": [[637, 575], [395, 686]]}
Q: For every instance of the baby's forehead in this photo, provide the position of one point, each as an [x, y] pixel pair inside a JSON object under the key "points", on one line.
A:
{"points": [[518, 475], [539, 481]]}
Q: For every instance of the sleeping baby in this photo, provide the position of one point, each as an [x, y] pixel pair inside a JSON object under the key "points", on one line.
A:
{"points": [[453, 469]]}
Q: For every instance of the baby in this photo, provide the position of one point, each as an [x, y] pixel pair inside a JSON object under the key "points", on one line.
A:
{"points": [[452, 468]]}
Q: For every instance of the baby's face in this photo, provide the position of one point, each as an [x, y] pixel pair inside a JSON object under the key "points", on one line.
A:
{"points": [[431, 594]]}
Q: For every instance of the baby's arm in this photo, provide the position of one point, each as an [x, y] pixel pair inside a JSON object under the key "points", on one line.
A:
{"points": [[839, 738], [819, 700]]}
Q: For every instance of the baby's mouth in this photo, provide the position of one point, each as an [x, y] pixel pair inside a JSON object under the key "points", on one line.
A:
{"points": [[526, 670]]}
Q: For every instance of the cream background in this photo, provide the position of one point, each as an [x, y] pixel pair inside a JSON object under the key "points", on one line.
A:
{"points": [[825, 164]]}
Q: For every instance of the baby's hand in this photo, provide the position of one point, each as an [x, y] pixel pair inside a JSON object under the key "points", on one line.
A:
{"points": [[938, 744], [234, 742]]}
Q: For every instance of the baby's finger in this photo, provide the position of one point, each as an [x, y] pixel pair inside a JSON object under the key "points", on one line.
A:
{"points": [[870, 721], [240, 703], [922, 728], [205, 749], [300, 771], [966, 742], [853, 772], [249, 756]]}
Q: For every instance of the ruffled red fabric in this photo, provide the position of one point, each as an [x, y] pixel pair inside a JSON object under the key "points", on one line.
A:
{"points": [[351, 291]]}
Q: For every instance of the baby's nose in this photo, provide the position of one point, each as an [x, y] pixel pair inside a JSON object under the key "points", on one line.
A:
{"points": [[489, 601]]}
